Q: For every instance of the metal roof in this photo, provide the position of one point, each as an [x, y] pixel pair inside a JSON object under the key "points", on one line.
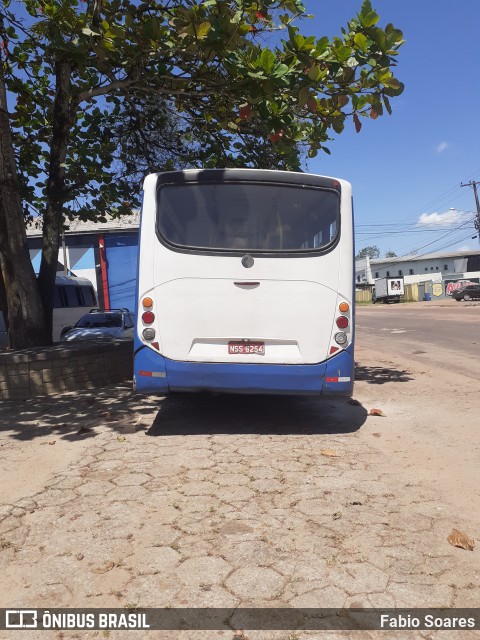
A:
{"points": [[125, 223], [426, 256]]}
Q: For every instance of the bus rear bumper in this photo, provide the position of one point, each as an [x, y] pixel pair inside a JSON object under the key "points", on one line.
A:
{"points": [[155, 374]]}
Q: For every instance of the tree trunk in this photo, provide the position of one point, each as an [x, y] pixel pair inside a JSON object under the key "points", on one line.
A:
{"points": [[3, 301], [25, 308], [64, 114]]}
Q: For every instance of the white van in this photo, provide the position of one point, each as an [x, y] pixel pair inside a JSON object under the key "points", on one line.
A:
{"points": [[73, 297]]}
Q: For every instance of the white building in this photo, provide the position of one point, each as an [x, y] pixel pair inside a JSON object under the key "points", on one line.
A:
{"points": [[433, 267]]}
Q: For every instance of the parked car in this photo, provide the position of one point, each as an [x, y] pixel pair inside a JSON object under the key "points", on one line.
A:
{"points": [[470, 292], [4, 342], [112, 323]]}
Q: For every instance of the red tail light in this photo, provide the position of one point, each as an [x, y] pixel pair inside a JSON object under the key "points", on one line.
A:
{"points": [[342, 322], [148, 317]]}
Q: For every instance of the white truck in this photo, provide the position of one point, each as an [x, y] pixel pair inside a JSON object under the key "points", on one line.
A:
{"points": [[388, 290]]}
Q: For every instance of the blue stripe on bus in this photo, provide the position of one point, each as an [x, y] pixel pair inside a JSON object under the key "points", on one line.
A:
{"points": [[156, 374], [340, 366]]}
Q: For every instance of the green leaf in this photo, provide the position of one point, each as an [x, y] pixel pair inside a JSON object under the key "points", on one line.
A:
{"points": [[386, 102], [338, 124], [281, 70], [89, 32], [361, 41], [391, 82], [203, 29], [343, 53], [321, 45], [369, 19], [314, 73], [378, 36], [256, 74], [299, 41], [267, 60], [303, 96], [366, 7]]}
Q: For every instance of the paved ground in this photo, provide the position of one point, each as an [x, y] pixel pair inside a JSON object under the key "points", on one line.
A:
{"points": [[112, 500]]}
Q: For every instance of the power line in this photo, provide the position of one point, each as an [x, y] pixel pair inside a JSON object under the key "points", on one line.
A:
{"points": [[441, 238], [445, 246], [439, 198], [374, 235]]}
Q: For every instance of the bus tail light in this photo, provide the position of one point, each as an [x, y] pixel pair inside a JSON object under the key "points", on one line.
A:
{"points": [[344, 307], [342, 322], [340, 337], [147, 303], [148, 317], [148, 334]]}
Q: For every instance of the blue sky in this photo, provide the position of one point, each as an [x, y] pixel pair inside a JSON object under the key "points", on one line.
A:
{"points": [[406, 168]]}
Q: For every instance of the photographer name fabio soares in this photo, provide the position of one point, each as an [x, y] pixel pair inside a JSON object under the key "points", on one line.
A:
{"points": [[427, 621]]}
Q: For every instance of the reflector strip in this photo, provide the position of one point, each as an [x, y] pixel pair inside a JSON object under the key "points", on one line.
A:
{"points": [[152, 374], [337, 379]]}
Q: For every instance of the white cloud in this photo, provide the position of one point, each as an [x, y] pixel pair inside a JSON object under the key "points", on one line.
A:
{"points": [[443, 146], [452, 216]]}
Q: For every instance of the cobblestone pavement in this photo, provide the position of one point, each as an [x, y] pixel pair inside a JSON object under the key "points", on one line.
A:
{"points": [[222, 502]]}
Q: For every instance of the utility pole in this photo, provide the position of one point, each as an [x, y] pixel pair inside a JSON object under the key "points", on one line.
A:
{"points": [[474, 184]]}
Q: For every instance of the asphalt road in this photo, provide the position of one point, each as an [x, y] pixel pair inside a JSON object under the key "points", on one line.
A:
{"points": [[441, 333]]}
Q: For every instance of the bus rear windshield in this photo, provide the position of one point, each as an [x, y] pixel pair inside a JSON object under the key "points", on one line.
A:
{"points": [[248, 216]]}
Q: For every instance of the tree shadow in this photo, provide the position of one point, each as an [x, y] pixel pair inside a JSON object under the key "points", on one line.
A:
{"points": [[75, 416], [381, 375], [188, 414]]}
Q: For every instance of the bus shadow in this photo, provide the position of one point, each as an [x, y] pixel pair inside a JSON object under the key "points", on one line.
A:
{"points": [[186, 414], [381, 375]]}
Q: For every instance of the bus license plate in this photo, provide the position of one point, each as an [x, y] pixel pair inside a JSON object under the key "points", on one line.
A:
{"points": [[246, 347]]}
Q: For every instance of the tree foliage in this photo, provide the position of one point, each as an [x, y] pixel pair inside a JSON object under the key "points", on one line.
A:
{"points": [[390, 254], [73, 73], [368, 252], [150, 137]]}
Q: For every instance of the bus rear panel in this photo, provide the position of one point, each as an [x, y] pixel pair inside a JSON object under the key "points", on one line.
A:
{"points": [[245, 283]]}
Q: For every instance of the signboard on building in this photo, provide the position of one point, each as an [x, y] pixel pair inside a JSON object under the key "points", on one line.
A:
{"points": [[437, 289], [453, 285]]}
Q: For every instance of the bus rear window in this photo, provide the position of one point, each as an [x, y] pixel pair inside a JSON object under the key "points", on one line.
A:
{"points": [[248, 216]]}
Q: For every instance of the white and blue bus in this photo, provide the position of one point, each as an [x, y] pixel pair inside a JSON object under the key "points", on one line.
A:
{"points": [[245, 283]]}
